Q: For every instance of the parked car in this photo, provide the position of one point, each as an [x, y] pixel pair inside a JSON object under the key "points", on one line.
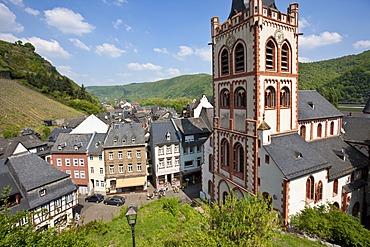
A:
{"points": [[115, 200], [95, 198]]}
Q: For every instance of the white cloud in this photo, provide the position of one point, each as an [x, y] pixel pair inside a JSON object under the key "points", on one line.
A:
{"points": [[67, 21], [31, 11], [79, 44], [184, 51], [161, 50], [7, 21], [47, 48], [119, 2], [144, 66], [362, 44], [17, 2], [173, 72], [8, 37], [128, 28], [109, 50], [117, 23], [303, 23], [204, 53], [314, 41], [304, 59]]}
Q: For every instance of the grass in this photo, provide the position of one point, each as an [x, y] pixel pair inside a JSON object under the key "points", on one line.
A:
{"points": [[156, 226], [23, 107]]}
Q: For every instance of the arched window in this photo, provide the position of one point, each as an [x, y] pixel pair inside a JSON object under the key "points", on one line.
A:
{"points": [[225, 62], [319, 130], [224, 195], [209, 187], [336, 205], [240, 97], [238, 158], [356, 209], [310, 189], [285, 97], [267, 197], [332, 128], [302, 132], [285, 58], [239, 58], [319, 191], [224, 153], [225, 98], [210, 162], [270, 97], [335, 187], [270, 55]]}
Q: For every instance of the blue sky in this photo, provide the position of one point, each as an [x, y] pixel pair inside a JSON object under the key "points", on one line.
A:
{"points": [[116, 42]]}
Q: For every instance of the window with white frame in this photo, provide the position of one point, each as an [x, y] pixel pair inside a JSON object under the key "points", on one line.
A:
{"points": [[100, 157], [138, 154], [58, 203], [68, 162], [160, 150], [169, 163], [120, 168], [168, 151], [120, 155], [82, 174], [97, 183], [69, 198], [177, 161], [110, 156], [139, 168], [59, 162], [129, 167], [82, 162], [102, 183], [101, 171], [160, 164], [129, 155], [92, 170], [75, 162], [111, 169], [91, 157], [176, 148], [77, 174]]}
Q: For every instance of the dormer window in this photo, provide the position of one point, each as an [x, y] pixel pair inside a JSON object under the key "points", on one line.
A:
{"points": [[168, 136], [62, 145], [115, 140], [133, 139], [124, 139], [42, 192], [77, 146]]}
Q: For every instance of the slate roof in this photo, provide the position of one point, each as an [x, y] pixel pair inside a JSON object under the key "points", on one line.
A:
{"points": [[8, 146], [55, 133], [124, 134], [191, 126], [294, 156], [69, 141], [96, 145], [331, 148], [158, 132], [29, 174], [311, 105], [239, 6], [356, 129]]}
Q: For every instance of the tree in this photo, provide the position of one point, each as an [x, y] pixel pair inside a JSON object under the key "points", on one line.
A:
{"points": [[246, 221]]}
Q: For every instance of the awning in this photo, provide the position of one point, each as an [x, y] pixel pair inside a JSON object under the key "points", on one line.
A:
{"points": [[130, 182]]}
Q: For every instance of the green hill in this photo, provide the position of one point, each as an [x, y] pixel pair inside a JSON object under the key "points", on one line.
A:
{"points": [[21, 62], [23, 107], [345, 79]]}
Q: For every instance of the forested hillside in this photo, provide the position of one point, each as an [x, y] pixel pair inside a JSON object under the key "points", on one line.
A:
{"points": [[20, 62], [345, 79]]}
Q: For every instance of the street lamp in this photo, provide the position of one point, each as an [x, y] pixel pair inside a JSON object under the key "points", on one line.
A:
{"points": [[131, 216]]}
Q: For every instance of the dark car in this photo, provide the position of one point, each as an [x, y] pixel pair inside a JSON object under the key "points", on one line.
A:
{"points": [[115, 200], [95, 198]]}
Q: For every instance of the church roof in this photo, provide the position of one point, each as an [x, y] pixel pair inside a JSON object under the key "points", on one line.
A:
{"points": [[241, 5], [294, 156], [356, 129], [311, 105]]}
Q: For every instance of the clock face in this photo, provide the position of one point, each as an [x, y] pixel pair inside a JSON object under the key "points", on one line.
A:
{"points": [[230, 41], [279, 36]]}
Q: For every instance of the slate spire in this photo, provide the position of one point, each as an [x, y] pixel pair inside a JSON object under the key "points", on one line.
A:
{"points": [[241, 5]]}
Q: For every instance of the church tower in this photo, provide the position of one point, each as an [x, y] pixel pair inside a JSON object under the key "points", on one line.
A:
{"points": [[255, 88]]}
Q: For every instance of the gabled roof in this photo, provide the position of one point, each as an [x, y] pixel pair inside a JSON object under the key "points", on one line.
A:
{"points": [[158, 133], [69, 142], [294, 156], [191, 126], [356, 129], [127, 134], [311, 105], [55, 133], [334, 149], [8, 146], [90, 125]]}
